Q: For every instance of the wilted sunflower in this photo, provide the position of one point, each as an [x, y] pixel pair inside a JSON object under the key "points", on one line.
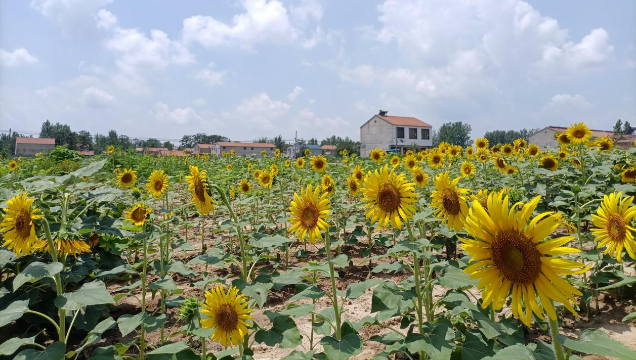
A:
{"points": [[327, 184], [93, 240], [563, 139], [353, 185], [579, 133], [377, 155], [287, 163], [127, 178], [257, 174], [420, 178], [450, 201], [64, 247], [358, 173], [308, 212], [512, 255], [533, 150], [157, 183], [227, 314], [139, 214], [549, 162], [18, 227], [300, 163], [389, 198], [319, 163], [467, 169], [435, 160], [110, 149], [628, 175], [266, 179], [198, 187], [395, 161], [13, 165], [245, 187], [500, 164], [482, 143], [612, 221]]}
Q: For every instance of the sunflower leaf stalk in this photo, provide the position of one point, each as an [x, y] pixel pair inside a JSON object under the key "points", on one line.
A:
{"points": [[334, 289], [58, 282], [554, 333], [244, 272]]}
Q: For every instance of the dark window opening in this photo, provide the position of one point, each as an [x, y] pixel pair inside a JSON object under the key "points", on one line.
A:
{"points": [[426, 134], [412, 133], [400, 133]]}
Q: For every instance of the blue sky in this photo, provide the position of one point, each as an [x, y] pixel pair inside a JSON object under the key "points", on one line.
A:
{"points": [[253, 68]]}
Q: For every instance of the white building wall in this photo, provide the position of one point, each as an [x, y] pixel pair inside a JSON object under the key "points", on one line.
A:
{"points": [[378, 133], [544, 138]]}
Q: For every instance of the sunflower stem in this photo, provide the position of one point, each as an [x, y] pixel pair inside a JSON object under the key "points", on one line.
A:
{"points": [[61, 329], [334, 289], [554, 332], [244, 272], [418, 287], [142, 337]]}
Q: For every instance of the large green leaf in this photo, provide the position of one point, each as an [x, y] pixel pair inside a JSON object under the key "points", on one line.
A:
{"points": [[438, 342], [127, 323], [12, 345], [595, 341], [348, 346], [299, 355], [454, 278], [475, 348], [627, 280], [311, 292], [270, 242], [175, 351], [106, 353], [14, 311], [93, 293], [283, 333], [36, 271], [514, 352], [355, 290], [165, 283], [54, 352], [96, 334]]}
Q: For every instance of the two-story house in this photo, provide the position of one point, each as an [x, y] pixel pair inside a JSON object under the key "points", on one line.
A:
{"points": [[394, 132]]}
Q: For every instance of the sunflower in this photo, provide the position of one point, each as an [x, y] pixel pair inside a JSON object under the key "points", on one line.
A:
{"points": [[576, 162], [327, 184], [511, 170], [495, 149], [127, 178], [563, 139], [13, 165], [483, 155], [420, 157], [562, 155], [232, 152], [319, 163], [628, 175], [308, 212], [227, 314], [353, 185], [377, 155], [389, 198], [520, 143], [277, 152], [139, 214], [307, 152], [198, 186], [358, 173], [467, 169], [157, 183], [482, 143], [500, 164], [470, 152], [256, 174], [300, 163], [344, 152], [287, 163], [613, 229], [110, 149], [512, 255], [64, 247], [420, 178], [266, 179], [264, 153], [395, 161], [482, 197], [549, 162], [410, 162], [245, 187], [533, 150], [228, 167], [435, 160], [249, 166], [273, 169], [604, 144], [17, 227], [450, 201], [579, 133], [507, 149]]}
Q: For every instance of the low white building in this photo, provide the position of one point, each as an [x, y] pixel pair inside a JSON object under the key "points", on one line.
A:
{"points": [[394, 132], [545, 138], [241, 148], [30, 146]]}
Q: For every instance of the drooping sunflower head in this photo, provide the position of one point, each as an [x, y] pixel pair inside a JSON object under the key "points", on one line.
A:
{"points": [[300, 163], [500, 164], [410, 162], [309, 213], [198, 187], [18, 224], [228, 167], [576, 162], [327, 184], [139, 214], [482, 143], [579, 133], [533, 150], [377, 155], [127, 178], [110, 149], [435, 160], [245, 187], [273, 169], [511, 254], [13, 165], [420, 177], [549, 162], [319, 163], [353, 185], [266, 179], [449, 201], [358, 173], [228, 314], [483, 155], [628, 175], [157, 183], [64, 247], [389, 198], [613, 228], [467, 169], [395, 161]]}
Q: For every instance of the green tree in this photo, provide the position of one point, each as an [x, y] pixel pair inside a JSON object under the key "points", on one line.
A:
{"points": [[168, 145], [627, 128], [84, 140], [152, 143], [618, 127], [279, 143], [7, 143], [455, 133], [312, 141]]}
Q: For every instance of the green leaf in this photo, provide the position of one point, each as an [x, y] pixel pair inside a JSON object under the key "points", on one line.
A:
{"points": [[544, 351], [179, 268], [341, 260], [595, 341], [165, 283], [176, 351], [514, 352], [93, 293], [626, 281], [54, 352], [270, 242], [454, 278], [12, 345], [295, 311], [257, 290], [127, 323], [283, 332], [14, 311], [106, 353], [350, 345], [96, 334], [629, 317], [390, 267], [36, 271], [355, 290], [438, 343], [311, 292], [299, 355], [475, 348]]}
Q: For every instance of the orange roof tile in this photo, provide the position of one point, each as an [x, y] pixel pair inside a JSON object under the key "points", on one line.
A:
{"points": [[39, 141], [404, 121], [329, 147], [239, 144], [595, 133]]}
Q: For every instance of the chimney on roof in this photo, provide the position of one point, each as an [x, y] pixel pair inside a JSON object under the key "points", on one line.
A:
{"points": [[383, 112]]}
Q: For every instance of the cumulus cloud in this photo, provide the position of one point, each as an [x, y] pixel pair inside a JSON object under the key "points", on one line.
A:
{"points": [[567, 102], [292, 96], [105, 20], [178, 116], [309, 124], [97, 98], [17, 57], [70, 15], [592, 51], [260, 110], [210, 77]]}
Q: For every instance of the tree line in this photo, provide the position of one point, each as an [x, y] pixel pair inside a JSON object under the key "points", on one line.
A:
{"points": [[458, 133]]}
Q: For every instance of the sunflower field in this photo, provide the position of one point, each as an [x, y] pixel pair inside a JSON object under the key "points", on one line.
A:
{"points": [[493, 251]]}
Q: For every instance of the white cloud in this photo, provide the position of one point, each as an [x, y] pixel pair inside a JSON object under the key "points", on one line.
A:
{"points": [[309, 124], [363, 74], [16, 57], [210, 77], [199, 102], [304, 11], [97, 98], [260, 110], [292, 96], [592, 51], [177, 116], [561, 102], [105, 19], [70, 15], [46, 92]]}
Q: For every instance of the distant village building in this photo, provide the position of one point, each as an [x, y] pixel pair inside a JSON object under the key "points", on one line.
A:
{"points": [[389, 132], [31, 146], [624, 141], [545, 137], [203, 148], [329, 150], [243, 148], [155, 150], [86, 153], [298, 150]]}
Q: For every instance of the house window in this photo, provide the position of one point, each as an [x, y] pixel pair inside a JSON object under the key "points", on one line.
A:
{"points": [[426, 134], [224, 148], [400, 133], [244, 147], [412, 133], [252, 148]]}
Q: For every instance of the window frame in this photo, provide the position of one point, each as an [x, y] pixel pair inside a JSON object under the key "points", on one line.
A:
{"points": [[428, 134], [397, 132], [411, 132]]}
